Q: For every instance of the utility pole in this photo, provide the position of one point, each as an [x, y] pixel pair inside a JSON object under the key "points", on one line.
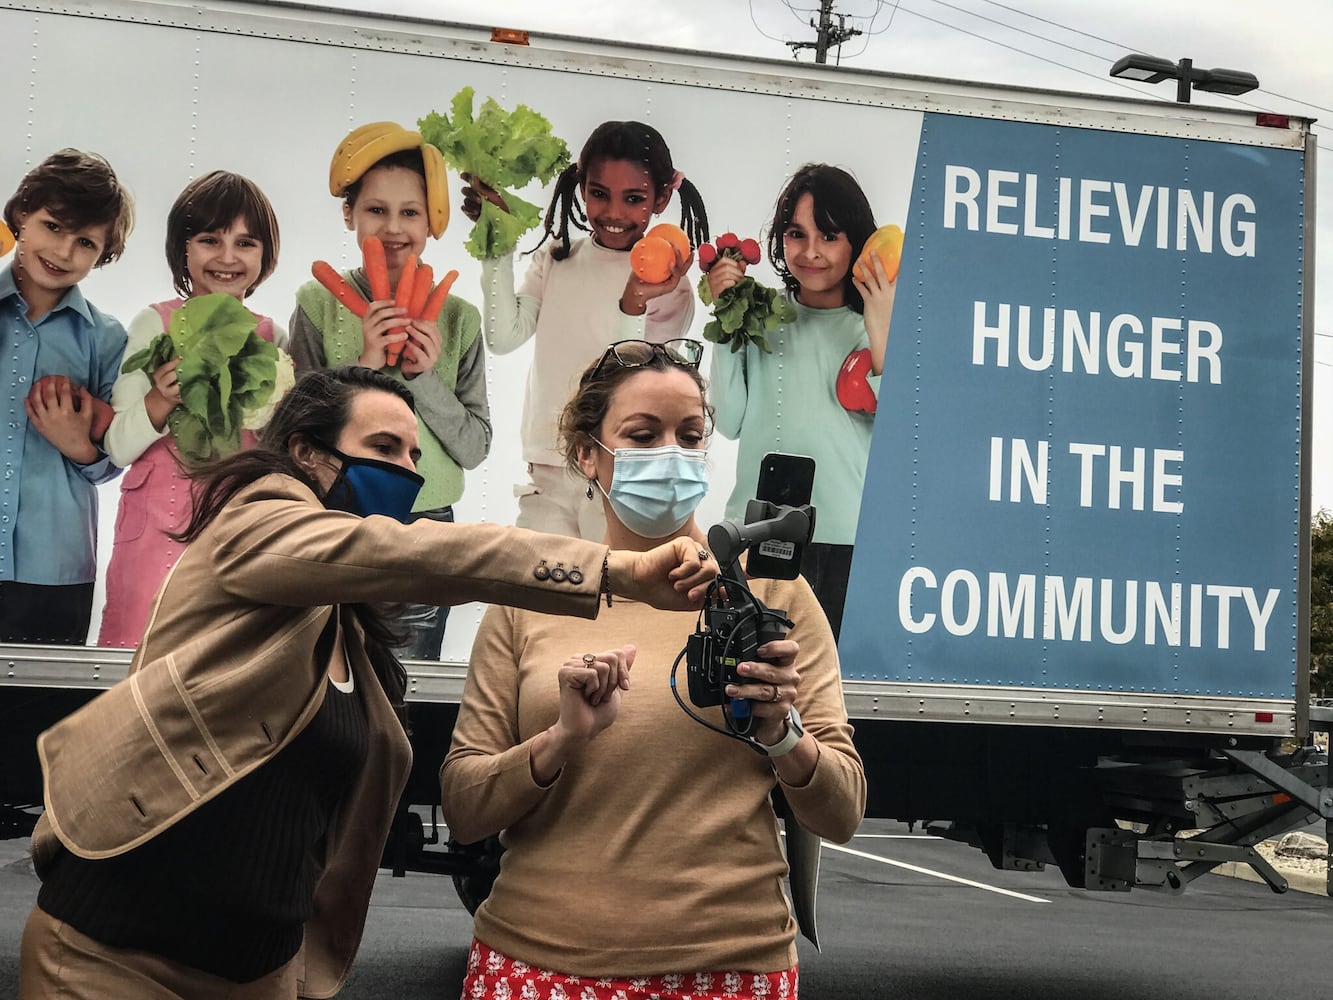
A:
{"points": [[828, 35]]}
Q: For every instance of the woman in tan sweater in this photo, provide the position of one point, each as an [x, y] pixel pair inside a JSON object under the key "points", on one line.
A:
{"points": [[642, 852]]}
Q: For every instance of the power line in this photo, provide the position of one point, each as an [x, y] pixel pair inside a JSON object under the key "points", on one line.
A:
{"points": [[1025, 52], [953, 27], [1033, 55], [870, 29], [1022, 31], [1120, 46], [771, 38], [1123, 47], [796, 12], [829, 35]]}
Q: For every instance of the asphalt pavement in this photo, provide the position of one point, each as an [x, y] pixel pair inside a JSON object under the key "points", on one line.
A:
{"points": [[904, 915]]}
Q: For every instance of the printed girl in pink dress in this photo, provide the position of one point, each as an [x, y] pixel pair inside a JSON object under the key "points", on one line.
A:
{"points": [[222, 237]]}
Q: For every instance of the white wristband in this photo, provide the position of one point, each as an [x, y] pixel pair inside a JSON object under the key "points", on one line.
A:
{"points": [[788, 742]]}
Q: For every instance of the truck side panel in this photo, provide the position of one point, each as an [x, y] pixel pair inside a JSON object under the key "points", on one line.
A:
{"points": [[1091, 425], [268, 90]]}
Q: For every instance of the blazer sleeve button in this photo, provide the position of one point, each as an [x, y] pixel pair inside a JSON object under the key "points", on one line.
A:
{"points": [[575, 576], [541, 572], [558, 574]]}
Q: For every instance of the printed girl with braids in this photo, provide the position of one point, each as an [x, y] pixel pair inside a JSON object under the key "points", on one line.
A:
{"points": [[579, 295]]}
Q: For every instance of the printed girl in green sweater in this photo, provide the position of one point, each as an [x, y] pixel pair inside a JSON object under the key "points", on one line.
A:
{"points": [[401, 198]]}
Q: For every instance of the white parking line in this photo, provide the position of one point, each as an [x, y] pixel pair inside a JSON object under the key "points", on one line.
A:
{"points": [[896, 836], [926, 871]]}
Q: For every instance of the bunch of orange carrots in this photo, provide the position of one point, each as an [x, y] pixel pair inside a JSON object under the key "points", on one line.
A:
{"points": [[415, 292]]}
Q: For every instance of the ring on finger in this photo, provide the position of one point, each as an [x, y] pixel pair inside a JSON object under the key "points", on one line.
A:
{"points": [[703, 555], [589, 659], [777, 694]]}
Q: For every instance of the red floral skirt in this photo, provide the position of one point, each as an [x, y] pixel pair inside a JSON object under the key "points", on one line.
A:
{"points": [[493, 976]]}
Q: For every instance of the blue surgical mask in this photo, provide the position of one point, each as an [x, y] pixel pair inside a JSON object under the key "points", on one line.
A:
{"points": [[368, 486], [655, 490]]}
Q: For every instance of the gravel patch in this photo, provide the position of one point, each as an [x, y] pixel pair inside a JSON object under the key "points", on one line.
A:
{"points": [[1287, 854]]}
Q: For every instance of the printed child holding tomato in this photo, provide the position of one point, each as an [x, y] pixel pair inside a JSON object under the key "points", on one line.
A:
{"points": [[222, 238], [69, 215], [392, 185], [799, 399], [580, 295]]}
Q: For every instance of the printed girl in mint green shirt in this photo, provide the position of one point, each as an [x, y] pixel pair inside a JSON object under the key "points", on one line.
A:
{"points": [[787, 400]]}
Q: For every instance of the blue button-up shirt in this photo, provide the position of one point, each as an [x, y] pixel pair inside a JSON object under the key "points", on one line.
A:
{"points": [[48, 504]]}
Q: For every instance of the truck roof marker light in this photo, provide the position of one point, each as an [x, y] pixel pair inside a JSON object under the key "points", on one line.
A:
{"points": [[1263, 716], [1281, 798], [509, 36], [1269, 120]]}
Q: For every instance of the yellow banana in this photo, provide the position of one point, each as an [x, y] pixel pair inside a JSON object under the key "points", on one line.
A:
{"points": [[365, 147], [360, 134], [437, 189], [7, 238]]}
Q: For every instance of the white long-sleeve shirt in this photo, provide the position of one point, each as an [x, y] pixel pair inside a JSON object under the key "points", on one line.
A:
{"points": [[570, 309]]}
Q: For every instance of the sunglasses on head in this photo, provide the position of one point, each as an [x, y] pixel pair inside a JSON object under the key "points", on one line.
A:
{"points": [[637, 353]]}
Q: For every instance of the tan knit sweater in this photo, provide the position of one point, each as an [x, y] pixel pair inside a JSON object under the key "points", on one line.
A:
{"points": [[656, 850]]}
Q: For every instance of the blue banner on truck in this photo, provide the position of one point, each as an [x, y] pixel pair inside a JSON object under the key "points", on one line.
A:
{"points": [[1086, 466]]}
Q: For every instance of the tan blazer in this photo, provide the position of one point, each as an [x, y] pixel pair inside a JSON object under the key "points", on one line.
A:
{"points": [[227, 675]]}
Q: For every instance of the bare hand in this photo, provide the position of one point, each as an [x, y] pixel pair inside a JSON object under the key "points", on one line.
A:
{"points": [[477, 191], [166, 382], [770, 687], [165, 395], [725, 273], [878, 293], [382, 325], [422, 349], [63, 414], [590, 692], [673, 576], [638, 293]]}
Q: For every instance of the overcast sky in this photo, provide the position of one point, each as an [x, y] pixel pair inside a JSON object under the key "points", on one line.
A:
{"points": [[1060, 44]]}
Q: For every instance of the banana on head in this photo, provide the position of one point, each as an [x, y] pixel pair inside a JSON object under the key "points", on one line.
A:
{"points": [[7, 238], [367, 145]]}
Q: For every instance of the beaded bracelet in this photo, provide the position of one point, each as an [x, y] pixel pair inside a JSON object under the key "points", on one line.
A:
{"points": [[606, 578]]}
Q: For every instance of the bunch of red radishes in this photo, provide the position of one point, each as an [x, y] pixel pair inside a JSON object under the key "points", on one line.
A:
{"points": [[729, 245], [746, 312]]}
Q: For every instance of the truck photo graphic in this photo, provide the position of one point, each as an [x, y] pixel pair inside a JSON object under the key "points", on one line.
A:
{"points": [[1078, 603]]}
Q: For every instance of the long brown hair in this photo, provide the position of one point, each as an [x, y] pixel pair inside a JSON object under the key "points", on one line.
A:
{"points": [[318, 407], [840, 206]]}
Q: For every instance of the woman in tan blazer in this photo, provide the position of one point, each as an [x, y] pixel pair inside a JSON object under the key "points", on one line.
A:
{"points": [[214, 822]]}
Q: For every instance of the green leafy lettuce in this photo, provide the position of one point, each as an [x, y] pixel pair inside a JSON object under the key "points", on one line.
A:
{"points": [[747, 311], [504, 149], [226, 371]]}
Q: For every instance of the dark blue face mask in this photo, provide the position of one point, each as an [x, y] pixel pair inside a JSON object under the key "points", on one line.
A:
{"points": [[368, 486]]}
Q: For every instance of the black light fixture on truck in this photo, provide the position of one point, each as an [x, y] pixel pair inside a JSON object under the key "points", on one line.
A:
{"points": [[1152, 69]]}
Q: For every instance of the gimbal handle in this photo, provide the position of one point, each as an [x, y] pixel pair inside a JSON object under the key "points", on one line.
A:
{"points": [[779, 523]]}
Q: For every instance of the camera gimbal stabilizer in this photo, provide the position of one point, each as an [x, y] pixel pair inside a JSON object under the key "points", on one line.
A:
{"points": [[734, 623]]}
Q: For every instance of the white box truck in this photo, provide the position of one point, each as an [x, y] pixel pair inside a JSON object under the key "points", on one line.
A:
{"points": [[1078, 621]]}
